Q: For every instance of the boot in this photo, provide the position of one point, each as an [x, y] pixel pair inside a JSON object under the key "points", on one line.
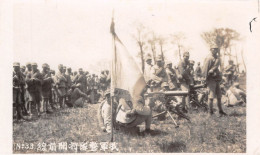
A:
{"points": [[19, 113]]}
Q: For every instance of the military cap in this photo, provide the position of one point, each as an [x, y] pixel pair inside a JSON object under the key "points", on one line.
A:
{"points": [[68, 68], [230, 60], [159, 59], [80, 69], [186, 54], [45, 65], [192, 62], [148, 57], [87, 72], [214, 47], [168, 63], [16, 64], [60, 66], [34, 64], [22, 67], [28, 64]]}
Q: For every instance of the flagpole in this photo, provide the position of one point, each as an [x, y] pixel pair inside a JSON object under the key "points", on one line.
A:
{"points": [[112, 93]]}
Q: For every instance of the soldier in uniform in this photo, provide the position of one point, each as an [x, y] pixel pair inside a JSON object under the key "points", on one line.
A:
{"points": [[60, 83], [229, 72], [29, 68], [172, 76], [23, 69], [77, 96], [69, 72], [148, 68], [198, 72], [46, 88], [26, 93], [185, 78], [213, 77], [34, 83], [81, 78], [192, 72], [68, 85], [18, 83], [158, 75]]}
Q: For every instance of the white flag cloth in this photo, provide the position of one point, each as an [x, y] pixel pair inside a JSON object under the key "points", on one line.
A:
{"points": [[126, 77]]}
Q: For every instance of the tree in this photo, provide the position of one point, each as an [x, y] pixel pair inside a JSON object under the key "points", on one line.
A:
{"points": [[223, 39], [152, 42], [178, 40], [140, 37], [161, 42]]}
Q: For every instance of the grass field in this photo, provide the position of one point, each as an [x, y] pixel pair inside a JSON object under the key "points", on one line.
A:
{"points": [[204, 134]]}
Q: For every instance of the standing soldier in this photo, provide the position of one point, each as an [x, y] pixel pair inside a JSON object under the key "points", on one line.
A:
{"points": [[229, 72], [29, 68], [18, 82], [23, 69], [34, 82], [198, 73], [60, 83], [68, 84], [148, 68], [213, 77], [75, 73], [185, 78], [26, 95], [192, 72], [46, 88], [172, 76]]}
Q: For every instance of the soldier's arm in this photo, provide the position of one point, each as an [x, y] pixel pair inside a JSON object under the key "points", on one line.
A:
{"points": [[216, 65], [81, 93]]}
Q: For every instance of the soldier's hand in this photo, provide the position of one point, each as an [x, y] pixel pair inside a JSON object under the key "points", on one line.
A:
{"points": [[131, 113]]}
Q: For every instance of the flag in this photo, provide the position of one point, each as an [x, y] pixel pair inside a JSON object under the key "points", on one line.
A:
{"points": [[127, 80]]}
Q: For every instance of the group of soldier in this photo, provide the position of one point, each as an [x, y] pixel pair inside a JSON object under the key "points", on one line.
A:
{"points": [[45, 91], [161, 77]]}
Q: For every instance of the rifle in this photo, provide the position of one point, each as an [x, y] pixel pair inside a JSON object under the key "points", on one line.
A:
{"points": [[167, 104]]}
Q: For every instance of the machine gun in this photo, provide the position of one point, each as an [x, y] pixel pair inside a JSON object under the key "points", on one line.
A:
{"points": [[195, 101], [168, 107]]}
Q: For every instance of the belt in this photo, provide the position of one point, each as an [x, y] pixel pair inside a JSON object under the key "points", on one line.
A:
{"points": [[122, 124]]}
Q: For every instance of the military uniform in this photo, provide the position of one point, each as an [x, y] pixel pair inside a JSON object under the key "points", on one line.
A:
{"points": [[185, 78], [158, 75], [34, 82], [213, 77], [60, 83], [198, 73], [46, 88], [81, 79], [18, 83], [229, 72], [147, 69], [172, 77]]}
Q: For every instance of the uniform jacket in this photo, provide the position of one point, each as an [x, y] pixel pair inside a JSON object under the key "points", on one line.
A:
{"points": [[211, 63], [46, 81], [184, 72], [18, 80], [172, 78], [60, 80], [158, 74], [34, 81]]}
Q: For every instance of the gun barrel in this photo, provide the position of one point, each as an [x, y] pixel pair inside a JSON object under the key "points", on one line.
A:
{"points": [[169, 93]]}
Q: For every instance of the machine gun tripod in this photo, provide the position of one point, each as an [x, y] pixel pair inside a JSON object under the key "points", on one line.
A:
{"points": [[167, 106]]}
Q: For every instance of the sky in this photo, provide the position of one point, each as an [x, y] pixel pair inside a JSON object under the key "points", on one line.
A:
{"points": [[76, 32]]}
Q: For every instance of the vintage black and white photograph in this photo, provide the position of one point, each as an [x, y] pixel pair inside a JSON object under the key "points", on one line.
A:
{"points": [[130, 76]]}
